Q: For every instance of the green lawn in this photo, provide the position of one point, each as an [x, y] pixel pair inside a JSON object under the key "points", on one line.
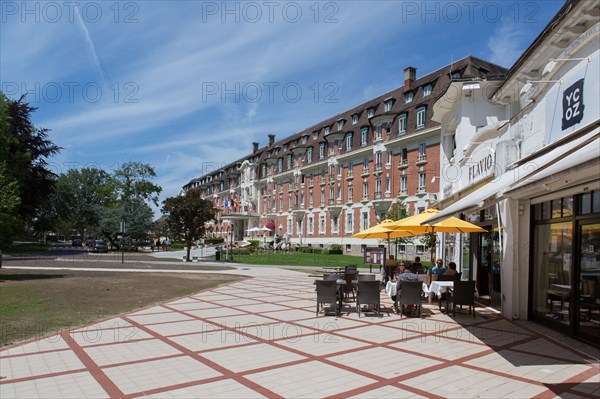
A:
{"points": [[300, 259]]}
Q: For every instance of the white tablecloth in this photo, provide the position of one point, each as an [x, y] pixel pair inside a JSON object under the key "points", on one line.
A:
{"points": [[439, 287]]}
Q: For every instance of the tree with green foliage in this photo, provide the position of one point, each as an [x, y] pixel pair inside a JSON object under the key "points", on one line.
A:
{"points": [[24, 150], [10, 222], [133, 180], [398, 211], [186, 216]]}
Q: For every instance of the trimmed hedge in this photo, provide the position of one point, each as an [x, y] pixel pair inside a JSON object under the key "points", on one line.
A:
{"points": [[214, 240]]}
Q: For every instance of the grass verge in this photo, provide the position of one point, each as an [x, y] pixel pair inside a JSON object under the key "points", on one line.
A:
{"points": [[35, 303]]}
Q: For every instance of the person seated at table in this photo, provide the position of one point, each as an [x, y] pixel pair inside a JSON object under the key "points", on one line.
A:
{"points": [[405, 275], [417, 267], [439, 267], [451, 269]]}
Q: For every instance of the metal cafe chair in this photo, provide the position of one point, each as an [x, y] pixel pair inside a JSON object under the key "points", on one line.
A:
{"points": [[368, 294], [410, 294], [327, 293], [463, 293]]}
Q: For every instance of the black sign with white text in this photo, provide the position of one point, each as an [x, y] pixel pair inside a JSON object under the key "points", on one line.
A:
{"points": [[572, 105]]}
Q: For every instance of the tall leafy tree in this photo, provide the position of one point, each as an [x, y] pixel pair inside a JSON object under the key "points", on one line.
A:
{"points": [[10, 222], [134, 180], [25, 148], [186, 216], [398, 211]]}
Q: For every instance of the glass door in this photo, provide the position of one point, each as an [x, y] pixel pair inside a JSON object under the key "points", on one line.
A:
{"points": [[589, 282]]}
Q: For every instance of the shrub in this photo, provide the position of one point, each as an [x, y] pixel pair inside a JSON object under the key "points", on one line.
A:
{"points": [[214, 240], [335, 249]]}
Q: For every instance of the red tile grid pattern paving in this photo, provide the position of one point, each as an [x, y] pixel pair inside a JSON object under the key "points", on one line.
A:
{"points": [[261, 338]]}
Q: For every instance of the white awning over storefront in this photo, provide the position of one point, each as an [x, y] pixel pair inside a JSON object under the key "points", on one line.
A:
{"points": [[582, 150]]}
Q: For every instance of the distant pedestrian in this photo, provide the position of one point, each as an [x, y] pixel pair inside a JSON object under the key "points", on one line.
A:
{"points": [[158, 244]]}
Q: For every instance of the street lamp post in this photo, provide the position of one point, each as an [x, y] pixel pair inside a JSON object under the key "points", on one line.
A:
{"points": [[231, 241]]}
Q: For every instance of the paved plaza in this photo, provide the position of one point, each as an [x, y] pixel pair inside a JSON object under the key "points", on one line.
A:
{"points": [[261, 338]]}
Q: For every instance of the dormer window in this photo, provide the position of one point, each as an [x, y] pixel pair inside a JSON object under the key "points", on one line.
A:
{"points": [[315, 135], [304, 139], [327, 130], [426, 90], [370, 112], [354, 119], [285, 148], [408, 97], [402, 123], [340, 124], [455, 75], [421, 117], [387, 106]]}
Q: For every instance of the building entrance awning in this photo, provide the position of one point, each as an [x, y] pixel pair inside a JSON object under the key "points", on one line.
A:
{"points": [[581, 150]]}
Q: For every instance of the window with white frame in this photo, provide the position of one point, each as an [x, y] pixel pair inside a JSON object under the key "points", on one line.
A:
{"points": [[304, 139], [403, 183], [388, 184], [264, 170], [315, 135], [365, 221], [321, 150], [378, 160], [404, 156], [420, 249], [354, 119], [349, 222], [334, 224], [289, 161], [349, 142], [331, 171], [366, 165], [322, 224], [365, 190], [302, 199], [370, 112], [309, 155], [339, 193], [289, 227], [378, 186], [421, 117], [327, 130], [322, 196], [422, 151], [331, 193], [279, 165], [402, 123], [387, 106], [422, 177], [388, 157], [310, 199], [364, 136], [378, 132], [340, 125], [310, 227], [427, 90], [281, 203], [350, 192], [408, 97]]}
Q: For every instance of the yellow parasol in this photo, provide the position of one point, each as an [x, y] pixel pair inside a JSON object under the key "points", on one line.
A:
{"points": [[416, 224], [384, 232]]}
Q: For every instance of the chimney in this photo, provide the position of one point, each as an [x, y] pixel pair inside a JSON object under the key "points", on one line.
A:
{"points": [[254, 148], [410, 75], [271, 139]]}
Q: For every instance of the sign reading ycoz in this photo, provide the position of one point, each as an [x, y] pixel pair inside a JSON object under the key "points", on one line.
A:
{"points": [[572, 103]]}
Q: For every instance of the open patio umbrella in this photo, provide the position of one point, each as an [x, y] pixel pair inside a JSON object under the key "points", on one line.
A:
{"points": [[382, 231], [417, 224]]}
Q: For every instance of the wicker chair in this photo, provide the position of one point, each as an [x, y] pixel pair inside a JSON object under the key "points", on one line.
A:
{"points": [[410, 294], [327, 293]]}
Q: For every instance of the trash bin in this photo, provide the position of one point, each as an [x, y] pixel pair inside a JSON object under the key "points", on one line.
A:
{"points": [[217, 255], [184, 258], [195, 258]]}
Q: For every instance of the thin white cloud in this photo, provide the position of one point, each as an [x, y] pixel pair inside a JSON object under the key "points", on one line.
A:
{"points": [[506, 44], [90, 43]]}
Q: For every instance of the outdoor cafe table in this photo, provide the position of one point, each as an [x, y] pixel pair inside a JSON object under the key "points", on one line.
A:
{"points": [[439, 287]]}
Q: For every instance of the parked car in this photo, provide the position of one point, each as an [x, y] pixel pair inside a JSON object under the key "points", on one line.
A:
{"points": [[99, 246], [76, 242]]}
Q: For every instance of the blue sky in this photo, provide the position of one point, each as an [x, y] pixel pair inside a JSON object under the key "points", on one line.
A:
{"points": [[187, 85]]}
